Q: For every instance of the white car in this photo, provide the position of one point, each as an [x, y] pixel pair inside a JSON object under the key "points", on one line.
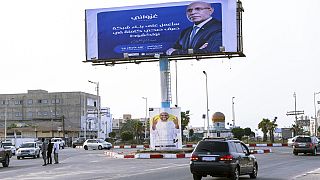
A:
{"points": [[28, 149], [291, 141], [96, 144], [60, 141], [9, 145]]}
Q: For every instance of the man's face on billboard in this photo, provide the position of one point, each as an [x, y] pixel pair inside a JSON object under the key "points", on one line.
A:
{"points": [[198, 12], [164, 116]]}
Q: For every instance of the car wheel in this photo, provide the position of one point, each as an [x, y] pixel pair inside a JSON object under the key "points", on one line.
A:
{"points": [[235, 175], [315, 152], [295, 153], [197, 177], [6, 161], [18, 157], [74, 146], [254, 173], [38, 156], [85, 147], [100, 147]]}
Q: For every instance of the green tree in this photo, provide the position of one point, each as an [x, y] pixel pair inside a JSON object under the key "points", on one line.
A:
{"points": [[185, 119], [271, 127], [135, 127], [238, 132], [247, 131], [112, 134], [126, 135], [263, 125], [191, 132], [296, 129]]}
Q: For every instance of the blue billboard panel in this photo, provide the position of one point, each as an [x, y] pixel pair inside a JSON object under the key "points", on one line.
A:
{"points": [[171, 29]]}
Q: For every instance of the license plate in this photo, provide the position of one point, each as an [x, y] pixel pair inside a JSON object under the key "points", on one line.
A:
{"points": [[302, 144], [208, 158]]}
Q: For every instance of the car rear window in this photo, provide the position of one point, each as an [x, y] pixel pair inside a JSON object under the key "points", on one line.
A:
{"points": [[212, 146], [303, 139]]}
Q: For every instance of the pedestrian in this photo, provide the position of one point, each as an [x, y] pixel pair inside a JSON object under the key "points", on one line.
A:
{"points": [[49, 152], [56, 152], [44, 148]]}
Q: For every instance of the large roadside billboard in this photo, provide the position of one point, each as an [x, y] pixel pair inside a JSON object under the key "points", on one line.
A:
{"points": [[161, 30]]}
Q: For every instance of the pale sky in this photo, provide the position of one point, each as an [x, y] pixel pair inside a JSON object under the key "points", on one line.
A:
{"points": [[42, 45]]}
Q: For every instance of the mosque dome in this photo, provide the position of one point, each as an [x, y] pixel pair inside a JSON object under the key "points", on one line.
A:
{"points": [[218, 117]]}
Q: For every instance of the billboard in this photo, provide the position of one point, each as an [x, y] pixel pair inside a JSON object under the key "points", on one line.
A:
{"points": [[165, 128], [161, 30]]}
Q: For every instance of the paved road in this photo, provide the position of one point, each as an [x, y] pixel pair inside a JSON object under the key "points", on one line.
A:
{"points": [[93, 164]]}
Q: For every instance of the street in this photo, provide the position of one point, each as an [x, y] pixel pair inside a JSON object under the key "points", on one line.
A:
{"points": [[93, 164]]}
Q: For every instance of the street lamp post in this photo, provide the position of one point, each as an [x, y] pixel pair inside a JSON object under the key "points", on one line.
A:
{"points": [[145, 120], [208, 131], [98, 107], [233, 115], [315, 114]]}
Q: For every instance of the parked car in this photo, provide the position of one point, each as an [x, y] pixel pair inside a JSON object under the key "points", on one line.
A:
{"points": [[5, 155], [10, 146], [78, 142], [96, 144], [60, 141], [28, 149], [220, 157], [306, 144]]}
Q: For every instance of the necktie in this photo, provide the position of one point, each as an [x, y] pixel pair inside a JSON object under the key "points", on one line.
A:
{"points": [[193, 33]]}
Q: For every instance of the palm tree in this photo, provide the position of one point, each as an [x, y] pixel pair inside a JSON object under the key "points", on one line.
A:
{"points": [[296, 129], [271, 127], [263, 125], [135, 127]]}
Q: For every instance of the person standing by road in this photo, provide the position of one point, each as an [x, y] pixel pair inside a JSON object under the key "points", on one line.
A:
{"points": [[44, 148], [49, 152], [56, 152]]}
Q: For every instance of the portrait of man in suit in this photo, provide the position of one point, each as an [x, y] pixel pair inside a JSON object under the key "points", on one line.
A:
{"points": [[205, 36]]}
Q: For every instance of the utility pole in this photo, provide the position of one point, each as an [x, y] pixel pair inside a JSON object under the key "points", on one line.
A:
{"points": [[233, 115], [295, 112]]}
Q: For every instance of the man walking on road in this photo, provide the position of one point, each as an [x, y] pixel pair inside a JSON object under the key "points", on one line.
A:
{"points": [[56, 152], [49, 152], [44, 149]]}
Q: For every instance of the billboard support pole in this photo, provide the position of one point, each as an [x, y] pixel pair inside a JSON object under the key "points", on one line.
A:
{"points": [[165, 80]]}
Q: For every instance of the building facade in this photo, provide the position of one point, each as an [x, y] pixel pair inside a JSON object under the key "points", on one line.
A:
{"points": [[39, 113]]}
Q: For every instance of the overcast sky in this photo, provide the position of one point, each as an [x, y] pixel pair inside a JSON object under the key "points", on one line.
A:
{"points": [[42, 45]]}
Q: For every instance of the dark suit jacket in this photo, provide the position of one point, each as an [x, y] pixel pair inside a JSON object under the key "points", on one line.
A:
{"points": [[210, 33]]}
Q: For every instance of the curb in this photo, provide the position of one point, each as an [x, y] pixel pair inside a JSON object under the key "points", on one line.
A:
{"points": [[194, 145], [146, 155], [260, 151]]}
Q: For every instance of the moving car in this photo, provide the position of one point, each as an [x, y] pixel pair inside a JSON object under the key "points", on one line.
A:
{"points": [[306, 144], [5, 155], [220, 157], [78, 142], [96, 144], [60, 141], [28, 149], [10, 146]]}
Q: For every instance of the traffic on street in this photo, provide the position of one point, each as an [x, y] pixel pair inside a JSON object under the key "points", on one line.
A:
{"points": [[77, 163]]}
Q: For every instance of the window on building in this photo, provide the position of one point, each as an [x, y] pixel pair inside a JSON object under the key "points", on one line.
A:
{"points": [[30, 114], [30, 101], [39, 113], [3, 102], [18, 102], [18, 114], [55, 101], [39, 101], [44, 101], [45, 113]]}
